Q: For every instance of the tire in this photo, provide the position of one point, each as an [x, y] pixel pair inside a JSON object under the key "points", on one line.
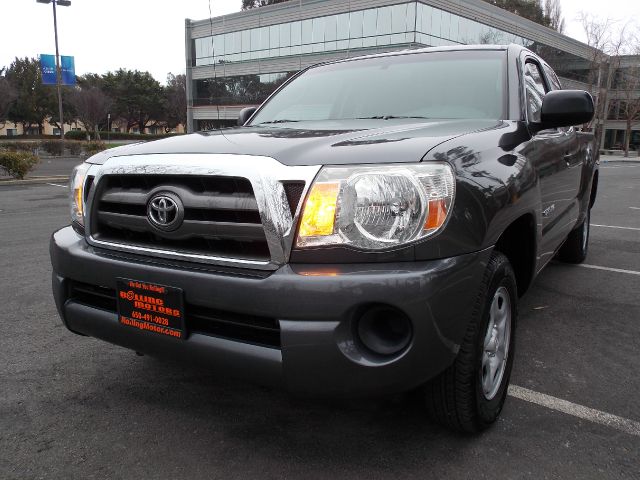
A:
{"points": [[466, 397], [576, 246]]}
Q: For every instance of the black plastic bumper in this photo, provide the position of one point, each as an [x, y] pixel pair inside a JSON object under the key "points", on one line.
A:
{"points": [[315, 306]]}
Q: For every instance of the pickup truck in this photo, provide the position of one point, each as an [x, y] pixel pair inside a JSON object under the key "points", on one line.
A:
{"points": [[368, 230]]}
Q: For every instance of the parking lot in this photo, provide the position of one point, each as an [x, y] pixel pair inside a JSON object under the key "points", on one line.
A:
{"points": [[75, 407]]}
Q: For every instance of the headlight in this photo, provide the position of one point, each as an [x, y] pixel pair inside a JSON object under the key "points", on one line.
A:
{"points": [[376, 207], [76, 189]]}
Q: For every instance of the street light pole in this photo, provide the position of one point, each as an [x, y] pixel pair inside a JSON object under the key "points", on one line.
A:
{"points": [[64, 3], [58, 72]]}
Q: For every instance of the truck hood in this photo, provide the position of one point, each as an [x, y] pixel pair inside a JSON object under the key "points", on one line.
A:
{"points": [[316, 143]]}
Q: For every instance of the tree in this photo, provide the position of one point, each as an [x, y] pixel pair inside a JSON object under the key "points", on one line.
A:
{"points": [[34, 102], [549, 15], [90, 80], [175, 106], [7, 97], [91, 106], [68, 108], [608, 43], [137, 97], [249, 4], [244, 89], [553, 15], [627, 85]]}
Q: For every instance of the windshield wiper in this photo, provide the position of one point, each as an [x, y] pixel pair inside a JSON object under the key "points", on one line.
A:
{"points": [[386, 117], [280, 120]]}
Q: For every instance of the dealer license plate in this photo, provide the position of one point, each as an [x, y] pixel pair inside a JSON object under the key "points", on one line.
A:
{"points": [[151, 307]]}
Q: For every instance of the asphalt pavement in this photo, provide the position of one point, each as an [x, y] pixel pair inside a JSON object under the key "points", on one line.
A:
{"points": [[76, 407], [53, 166]]}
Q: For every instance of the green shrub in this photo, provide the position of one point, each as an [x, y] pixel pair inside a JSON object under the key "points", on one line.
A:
{"points": [[75, 135], [75, 147], [53, 147], [78, 135], [33, 137], [20, 146], [94, 147], [17, 164]]}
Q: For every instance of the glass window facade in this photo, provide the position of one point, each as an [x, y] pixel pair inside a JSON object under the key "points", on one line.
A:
{"points": [[405, 24], [627, 78], [615, 139], [238, 90], [435, 27], [392, 25]]}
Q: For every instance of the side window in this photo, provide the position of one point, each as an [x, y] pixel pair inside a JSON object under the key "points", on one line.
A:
{"points": [[535, 90], [553, 78]]}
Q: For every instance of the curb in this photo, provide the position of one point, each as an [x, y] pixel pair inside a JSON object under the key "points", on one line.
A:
{"points": [[36, 180], [619, 158], [626, 160]]}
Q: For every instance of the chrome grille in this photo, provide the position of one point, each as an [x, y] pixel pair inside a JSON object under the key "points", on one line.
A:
{"points": [[239, 210], [221, 216]]}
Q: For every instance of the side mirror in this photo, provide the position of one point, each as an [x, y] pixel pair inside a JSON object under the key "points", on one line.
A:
{"points": [[245, 114], [564, 108]]}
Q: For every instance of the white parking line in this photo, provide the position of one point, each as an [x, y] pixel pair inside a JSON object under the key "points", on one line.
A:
{"points": [[608, 269], [56, 185], [596, 416], [634, 208], [613, 226]]}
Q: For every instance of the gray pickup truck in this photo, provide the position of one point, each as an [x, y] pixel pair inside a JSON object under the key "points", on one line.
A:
{"points": [[367, 230]]}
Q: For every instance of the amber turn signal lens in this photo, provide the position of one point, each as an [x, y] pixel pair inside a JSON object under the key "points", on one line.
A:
{"points": [[78, 192], [319, 215], [437, 214]]}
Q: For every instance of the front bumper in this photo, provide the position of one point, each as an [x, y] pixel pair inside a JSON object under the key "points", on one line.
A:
{"points": [[315, 306]]}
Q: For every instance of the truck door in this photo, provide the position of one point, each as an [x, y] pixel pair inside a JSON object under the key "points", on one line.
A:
{"points": [[573, 154], [555, 156]]}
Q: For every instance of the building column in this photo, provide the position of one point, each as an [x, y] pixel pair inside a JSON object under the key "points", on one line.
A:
{"points": [[188, 75]]}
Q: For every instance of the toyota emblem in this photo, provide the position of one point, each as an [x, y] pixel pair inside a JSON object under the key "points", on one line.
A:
{"points": [[165, 211]]}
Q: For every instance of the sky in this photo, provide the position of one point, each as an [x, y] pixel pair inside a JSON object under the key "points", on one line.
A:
{"points": [[619, 11], [105, 35]]}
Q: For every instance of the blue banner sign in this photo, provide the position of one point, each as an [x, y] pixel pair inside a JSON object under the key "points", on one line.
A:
{"points": [[48, 69], [68, 70]]}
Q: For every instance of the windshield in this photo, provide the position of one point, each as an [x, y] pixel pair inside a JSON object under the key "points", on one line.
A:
{"points": [[441, 85]]}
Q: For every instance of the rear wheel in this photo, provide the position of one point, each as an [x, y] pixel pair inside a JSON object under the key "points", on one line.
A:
{"points": [[575, 247], [469, 395]]}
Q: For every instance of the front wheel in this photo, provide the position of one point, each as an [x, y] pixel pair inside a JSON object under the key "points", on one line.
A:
{"points": [[575, 247], [469, 395]]}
